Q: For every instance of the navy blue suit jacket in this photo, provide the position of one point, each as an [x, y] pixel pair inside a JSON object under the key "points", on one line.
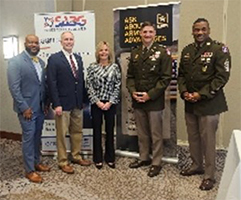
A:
{"points": [[64, 89]]}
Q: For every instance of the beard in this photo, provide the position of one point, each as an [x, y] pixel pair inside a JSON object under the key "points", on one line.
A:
{"points": [[31, 52]]}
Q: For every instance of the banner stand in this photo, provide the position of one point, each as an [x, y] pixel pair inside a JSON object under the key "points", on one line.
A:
{"points": [[171, 160], [127, 24]]}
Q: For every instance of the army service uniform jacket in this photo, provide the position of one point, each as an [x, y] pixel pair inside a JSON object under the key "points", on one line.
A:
{"points": [[149, 73], [205, 71]]}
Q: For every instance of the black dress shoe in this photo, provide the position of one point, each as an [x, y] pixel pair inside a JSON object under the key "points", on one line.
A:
{"points": [[98, 165], [111, 165], [139, 163], [154, 171], [207, 184], [189, 172]]}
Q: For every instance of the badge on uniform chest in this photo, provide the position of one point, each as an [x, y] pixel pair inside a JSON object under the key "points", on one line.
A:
{"points": [[204, 68], [206, 59], [207, 54], [155, 55]]}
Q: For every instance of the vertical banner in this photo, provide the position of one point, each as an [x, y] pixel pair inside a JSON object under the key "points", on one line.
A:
{"points": [[127, 23], [48, 27]]}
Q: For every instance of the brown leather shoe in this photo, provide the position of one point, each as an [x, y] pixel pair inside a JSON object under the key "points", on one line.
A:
{"points": [[42, 168], [154, 171], [82, 162], [67, 169], [34, 177], [139, 163], [189, 172], [207, 184]]}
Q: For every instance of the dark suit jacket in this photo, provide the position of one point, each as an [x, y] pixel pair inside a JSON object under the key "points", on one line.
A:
{"points": [[25, 87], [64, 89]]}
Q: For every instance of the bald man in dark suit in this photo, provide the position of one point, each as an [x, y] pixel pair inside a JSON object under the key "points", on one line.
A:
{"points": [[65, 80]]}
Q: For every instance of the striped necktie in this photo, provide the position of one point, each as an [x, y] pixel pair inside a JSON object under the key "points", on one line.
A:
{"points": [[73, 67]]}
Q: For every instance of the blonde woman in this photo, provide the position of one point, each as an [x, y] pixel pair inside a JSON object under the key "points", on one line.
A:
{"points": [[103, 86]]}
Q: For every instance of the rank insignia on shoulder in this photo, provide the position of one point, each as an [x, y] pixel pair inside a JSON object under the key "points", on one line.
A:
{"points": [[217, 42], [161, 45], [225, 49]]}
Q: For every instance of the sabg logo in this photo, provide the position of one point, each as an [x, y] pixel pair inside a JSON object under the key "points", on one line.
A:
{"points": [[48, 22], [162, 20], [65, 21]]}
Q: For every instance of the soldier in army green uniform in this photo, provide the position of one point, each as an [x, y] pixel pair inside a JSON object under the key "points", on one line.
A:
{"points": [[204, 70], [148, 75]]}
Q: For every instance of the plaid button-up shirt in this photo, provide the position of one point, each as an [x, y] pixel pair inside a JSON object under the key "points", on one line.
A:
{"points": [[103, 83]]}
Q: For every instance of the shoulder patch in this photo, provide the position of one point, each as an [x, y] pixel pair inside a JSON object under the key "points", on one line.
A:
{"points": [[225, 49]]}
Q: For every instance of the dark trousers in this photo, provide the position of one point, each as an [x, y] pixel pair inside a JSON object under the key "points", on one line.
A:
{"points": [[109, 116]]}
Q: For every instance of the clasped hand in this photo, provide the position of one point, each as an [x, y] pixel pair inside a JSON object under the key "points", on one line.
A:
{"points": [[104, 106], [192, 97], [140, 97]]}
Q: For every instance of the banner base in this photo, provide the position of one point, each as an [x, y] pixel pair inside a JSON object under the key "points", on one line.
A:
{"points": [[171, 160]]}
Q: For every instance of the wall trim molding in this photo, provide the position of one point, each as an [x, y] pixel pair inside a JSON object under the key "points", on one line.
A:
{"points": [[11, 135], [18, 137]]}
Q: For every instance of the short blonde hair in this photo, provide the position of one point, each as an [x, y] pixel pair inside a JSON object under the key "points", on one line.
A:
{"points": [[98, 47]]}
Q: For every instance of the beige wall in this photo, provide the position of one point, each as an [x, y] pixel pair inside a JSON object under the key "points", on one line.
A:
{"points": [[232, 119], [213, 10], [17, 18]]}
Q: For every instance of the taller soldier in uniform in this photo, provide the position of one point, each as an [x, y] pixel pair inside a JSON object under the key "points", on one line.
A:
{"points": [[148, 75], [204, 70]]}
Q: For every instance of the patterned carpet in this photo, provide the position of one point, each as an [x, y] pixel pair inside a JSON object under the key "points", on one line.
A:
{"points": [[88, 183]]}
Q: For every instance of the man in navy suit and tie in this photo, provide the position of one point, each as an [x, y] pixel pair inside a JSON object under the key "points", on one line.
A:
{"points": [[65, 80], [26, 82]]}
